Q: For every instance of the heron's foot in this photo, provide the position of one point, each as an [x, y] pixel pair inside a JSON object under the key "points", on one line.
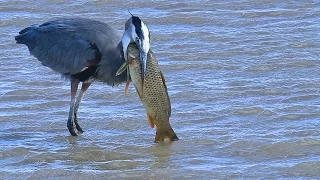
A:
{"points": [[77, 124], [72, 127]]}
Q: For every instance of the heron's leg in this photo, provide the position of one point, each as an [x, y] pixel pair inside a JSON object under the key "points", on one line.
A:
{"points": [[83, 90], [71, 123]]}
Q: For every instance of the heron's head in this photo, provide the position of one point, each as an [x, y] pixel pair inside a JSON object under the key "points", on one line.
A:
{"points": [[136, 31]]}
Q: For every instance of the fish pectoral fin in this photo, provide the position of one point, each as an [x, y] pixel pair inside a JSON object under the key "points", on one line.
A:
{"points": [[125, 65], [128, 82], [151, 119], [122, 68], [127, 86]]}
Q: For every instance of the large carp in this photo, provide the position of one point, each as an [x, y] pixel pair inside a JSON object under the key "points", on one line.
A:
{"points": [[152, 92]]}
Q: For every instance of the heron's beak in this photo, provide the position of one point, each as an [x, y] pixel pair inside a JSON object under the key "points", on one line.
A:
{"points": [[144, 49], [143, 58]]}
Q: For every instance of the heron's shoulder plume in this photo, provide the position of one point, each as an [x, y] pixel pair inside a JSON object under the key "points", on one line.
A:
{"points": [[25, 34], [32, 27]]}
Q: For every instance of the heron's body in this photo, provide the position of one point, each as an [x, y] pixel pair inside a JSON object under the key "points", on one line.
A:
{"points": [[69, 46], [82, 49]]}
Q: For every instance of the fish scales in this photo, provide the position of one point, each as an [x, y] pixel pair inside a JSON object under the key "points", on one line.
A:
{"points": [[152, 92]]}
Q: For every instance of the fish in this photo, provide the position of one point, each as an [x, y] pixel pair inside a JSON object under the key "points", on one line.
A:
{"points": [[152, 92]]}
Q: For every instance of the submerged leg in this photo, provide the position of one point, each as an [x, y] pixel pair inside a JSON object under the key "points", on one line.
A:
{"points": [[71, 123], [83, 90]]}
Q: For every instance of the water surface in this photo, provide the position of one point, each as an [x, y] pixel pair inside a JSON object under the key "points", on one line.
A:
{"points": [[243, 78]]}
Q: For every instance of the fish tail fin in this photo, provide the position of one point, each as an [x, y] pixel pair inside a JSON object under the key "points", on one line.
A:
{"points": [[161, 135]]}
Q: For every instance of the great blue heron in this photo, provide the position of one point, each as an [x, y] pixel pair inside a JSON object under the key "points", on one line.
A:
{"points": [[84, 50]]}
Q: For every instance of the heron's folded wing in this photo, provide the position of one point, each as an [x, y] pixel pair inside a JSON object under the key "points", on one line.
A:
{"points": [[64, 47]]}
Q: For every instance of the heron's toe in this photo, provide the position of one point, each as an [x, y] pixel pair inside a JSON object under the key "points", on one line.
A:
{"points": [[71, 127], [78, 127]]}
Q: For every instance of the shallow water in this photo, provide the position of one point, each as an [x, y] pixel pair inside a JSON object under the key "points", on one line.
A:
{"points": [[243, 78]]}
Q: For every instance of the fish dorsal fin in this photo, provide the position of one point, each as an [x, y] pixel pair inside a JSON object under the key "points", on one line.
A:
{"points": [[165, 86], [163, 80]]}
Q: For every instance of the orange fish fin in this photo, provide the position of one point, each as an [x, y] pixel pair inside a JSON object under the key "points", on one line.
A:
{"points": [[127, 86], [151, 119], [128, 82], [162, 134]]}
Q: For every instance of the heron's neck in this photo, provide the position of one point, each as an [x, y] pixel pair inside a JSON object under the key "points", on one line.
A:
{"points": [[110, 63], [120, 50]]}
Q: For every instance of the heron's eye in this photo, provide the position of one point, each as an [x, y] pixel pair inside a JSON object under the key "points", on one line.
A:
{"points": [[137, 40]]}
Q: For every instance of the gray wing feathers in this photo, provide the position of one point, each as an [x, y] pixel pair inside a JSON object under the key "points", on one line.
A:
{"points": [[65, 45], [69, 56]]}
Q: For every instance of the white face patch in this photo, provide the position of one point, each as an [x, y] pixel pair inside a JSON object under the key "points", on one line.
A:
{"points": [[134, 26], [125, 43], [128, 37], [146, 42]]}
